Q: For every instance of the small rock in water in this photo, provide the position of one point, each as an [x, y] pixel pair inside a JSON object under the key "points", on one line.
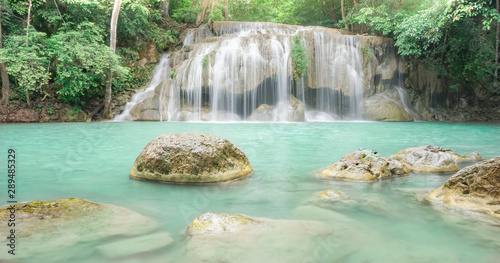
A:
{"points": [[332, 195], [430, 158], [209, 222], [190, 158], [365, 165], [475, 188]]}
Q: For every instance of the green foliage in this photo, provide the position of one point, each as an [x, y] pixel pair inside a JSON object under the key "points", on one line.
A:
{"points": [[28, 64], [366, 54], [204, 62], [173, 75], [299, 58], [419, 32], [82, 61], [450, 37], [184, 11], [163, 38]]}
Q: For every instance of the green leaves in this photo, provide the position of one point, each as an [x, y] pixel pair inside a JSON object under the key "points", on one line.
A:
{"points": [[299, 58], [81, 61], [28, 64]]}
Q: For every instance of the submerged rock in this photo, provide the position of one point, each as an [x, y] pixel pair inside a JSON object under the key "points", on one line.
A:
{"points": [[430, 158], [332, 195], [378, 108], [48, 226], [190, 158], [136, 245], [209, 222], [225, 237], [475, 188], [364, 164]]}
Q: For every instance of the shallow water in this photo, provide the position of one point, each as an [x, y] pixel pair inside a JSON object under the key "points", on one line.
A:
{"points": [[385, 222]]}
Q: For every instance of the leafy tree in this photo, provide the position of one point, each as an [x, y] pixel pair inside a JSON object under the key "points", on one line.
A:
{"points": [[82, 62], [28, 64], [6, 90]]}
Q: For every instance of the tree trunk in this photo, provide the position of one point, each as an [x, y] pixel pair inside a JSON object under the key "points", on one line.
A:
{"points": [[226, 10], [496, 46], [112, 43], [343, 15], [26, 90], [5, 77], [165, 5], [203, 12], [332, 14]]}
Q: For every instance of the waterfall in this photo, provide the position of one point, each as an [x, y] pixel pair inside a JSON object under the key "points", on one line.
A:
{"points": [[160, 74], [243, 71]]}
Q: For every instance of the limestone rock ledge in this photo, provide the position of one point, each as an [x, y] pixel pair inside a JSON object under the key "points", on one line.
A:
{"points": [[474, 188]]}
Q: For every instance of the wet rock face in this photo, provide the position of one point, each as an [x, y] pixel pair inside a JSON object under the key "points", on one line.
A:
{"points": [[294, 111], [475, 188], [364, 164], [263, 113], [377, 108], [430, 158], [190, 158]]}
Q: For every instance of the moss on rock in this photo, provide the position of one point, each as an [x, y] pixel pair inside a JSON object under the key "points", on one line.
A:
{"points": [[190, 158]]}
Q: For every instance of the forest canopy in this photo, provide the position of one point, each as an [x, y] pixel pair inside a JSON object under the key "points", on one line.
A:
{"points": [[61, 47]]}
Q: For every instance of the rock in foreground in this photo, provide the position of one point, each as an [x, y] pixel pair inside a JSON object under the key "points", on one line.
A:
{"points": [[227, 238], [209, 222], [430, 158], [475, 188], [366, 165], [190, 158], [47, 226]]}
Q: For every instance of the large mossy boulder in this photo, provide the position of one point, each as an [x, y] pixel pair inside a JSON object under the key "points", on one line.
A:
{"points": [[474, 188], [365, 165], [190, 158], [433, 159], [45, 227], [378, 108]]}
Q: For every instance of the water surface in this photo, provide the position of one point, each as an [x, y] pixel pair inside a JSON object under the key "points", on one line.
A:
{"points": [[386, 222]]}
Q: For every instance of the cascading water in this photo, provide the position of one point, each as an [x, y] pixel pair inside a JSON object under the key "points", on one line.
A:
{"points": [[243, 71]]}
